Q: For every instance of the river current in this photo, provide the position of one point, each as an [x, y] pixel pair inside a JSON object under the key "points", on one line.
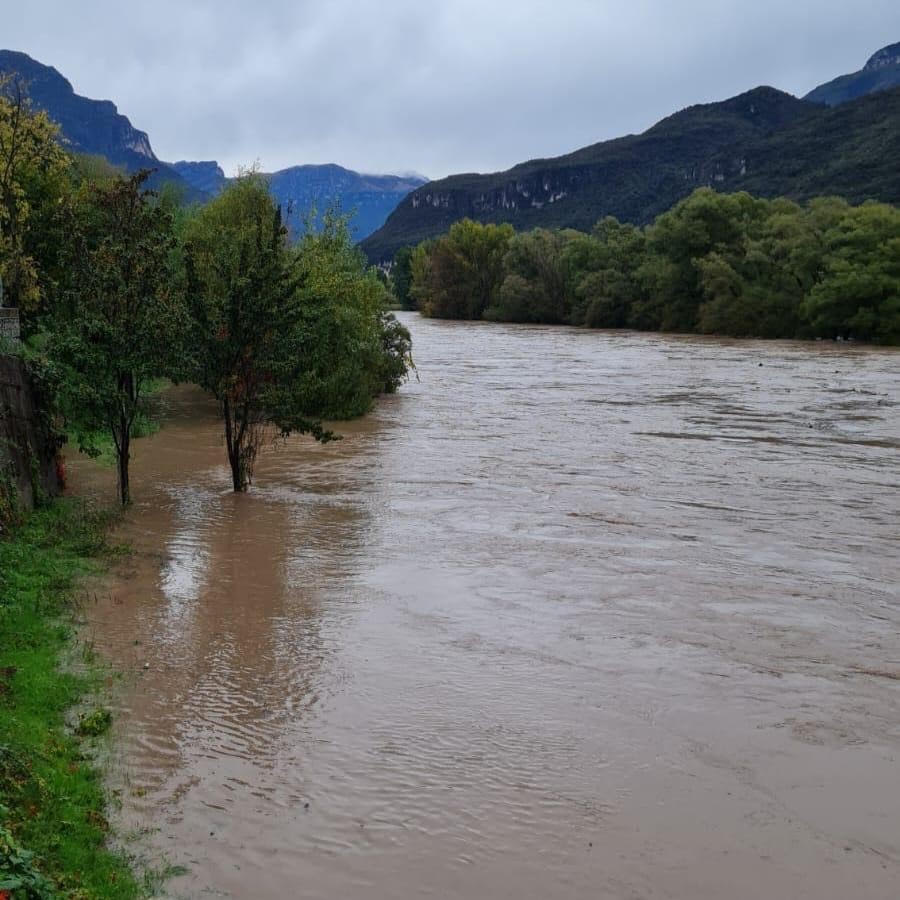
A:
{"points": [[574, 614]]}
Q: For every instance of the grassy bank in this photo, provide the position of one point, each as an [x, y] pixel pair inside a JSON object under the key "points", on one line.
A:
{"points": [[53, 826]]}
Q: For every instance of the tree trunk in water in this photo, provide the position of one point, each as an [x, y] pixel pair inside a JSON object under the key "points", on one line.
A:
{"points": [[123, 444], [234, 451], [124, 458], [237, 476]]}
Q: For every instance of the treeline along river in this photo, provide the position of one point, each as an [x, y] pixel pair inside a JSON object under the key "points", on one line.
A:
{"points": [[575, 614]]}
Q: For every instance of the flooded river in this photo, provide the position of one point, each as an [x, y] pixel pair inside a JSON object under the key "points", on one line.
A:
{"points": [[577, 614]]}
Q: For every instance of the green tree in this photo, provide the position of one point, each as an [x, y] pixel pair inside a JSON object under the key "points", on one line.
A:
{"points": [[283, 336], [464, 270], [715, 263], [351, 350], [858, 291], [704, 223], [32, 177], [603, 272], [241, 297], [535, 288], [420, 277], [118, 321]]}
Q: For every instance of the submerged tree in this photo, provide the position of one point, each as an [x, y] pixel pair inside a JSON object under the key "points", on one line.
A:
{"points": [[241, 298], [282, 336], [118, 319]]}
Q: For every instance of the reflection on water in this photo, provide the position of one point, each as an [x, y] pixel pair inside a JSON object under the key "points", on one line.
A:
{"points": [[577, 614]]}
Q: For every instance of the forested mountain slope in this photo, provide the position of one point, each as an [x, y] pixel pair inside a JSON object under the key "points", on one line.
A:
{"points": [[764, 141]]}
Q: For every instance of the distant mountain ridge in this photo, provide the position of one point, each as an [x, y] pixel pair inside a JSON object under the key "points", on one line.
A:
{"points": [[302, 190], [369, 198], [844, 137], [881, 72], [206, 176], [764, 141]]}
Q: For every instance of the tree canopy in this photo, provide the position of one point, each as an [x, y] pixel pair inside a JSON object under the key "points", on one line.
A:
{"points": [[32, 176], [118, 316], [283, 336], [119, 286], [715, 263]]}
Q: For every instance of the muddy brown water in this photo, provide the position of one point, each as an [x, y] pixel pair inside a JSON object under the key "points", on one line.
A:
{"points": [[577, 614]]}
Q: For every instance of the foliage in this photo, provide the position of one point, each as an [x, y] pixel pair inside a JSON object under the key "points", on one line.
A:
{"points": [[116, 302], [94, 723], [52, 804], [395, 357], [32, 172], [284, 336], [534, 289], [243, 313], [858, 289], [603, 274], [715, 263], [464, 271], [9, 495], [346, 345]]}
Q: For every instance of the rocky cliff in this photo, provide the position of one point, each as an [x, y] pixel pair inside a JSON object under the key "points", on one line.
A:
{"points": [[97, 127], [880, 73], [88, 126]]}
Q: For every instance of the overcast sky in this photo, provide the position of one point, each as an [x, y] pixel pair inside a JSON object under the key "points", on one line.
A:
{"points": [[435, 86]]}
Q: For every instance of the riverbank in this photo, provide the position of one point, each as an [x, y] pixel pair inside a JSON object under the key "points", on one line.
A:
{"points": [[53, 808]]}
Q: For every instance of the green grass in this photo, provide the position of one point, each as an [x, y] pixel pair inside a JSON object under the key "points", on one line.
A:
{"points": [[52, 802]]}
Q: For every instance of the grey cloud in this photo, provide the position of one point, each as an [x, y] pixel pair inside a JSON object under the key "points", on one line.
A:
{"points": [[439, 87]]}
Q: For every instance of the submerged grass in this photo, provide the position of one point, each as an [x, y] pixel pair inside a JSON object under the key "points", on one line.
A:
{"points": [[53, 827], [145, 424]]}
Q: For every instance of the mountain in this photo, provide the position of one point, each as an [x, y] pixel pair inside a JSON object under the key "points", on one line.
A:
{"points": [[204, 176], [634, 178], [850, 151], [369, 199], [97, 127], [88, 126], [765, 141], [880, 73]]}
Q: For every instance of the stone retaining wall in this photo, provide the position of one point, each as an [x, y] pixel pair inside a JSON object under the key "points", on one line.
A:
{"points": [[9, 323], [27, 451]]}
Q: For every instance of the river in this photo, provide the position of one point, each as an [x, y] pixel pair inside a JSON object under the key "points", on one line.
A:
{"points": [[575, 614]]}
